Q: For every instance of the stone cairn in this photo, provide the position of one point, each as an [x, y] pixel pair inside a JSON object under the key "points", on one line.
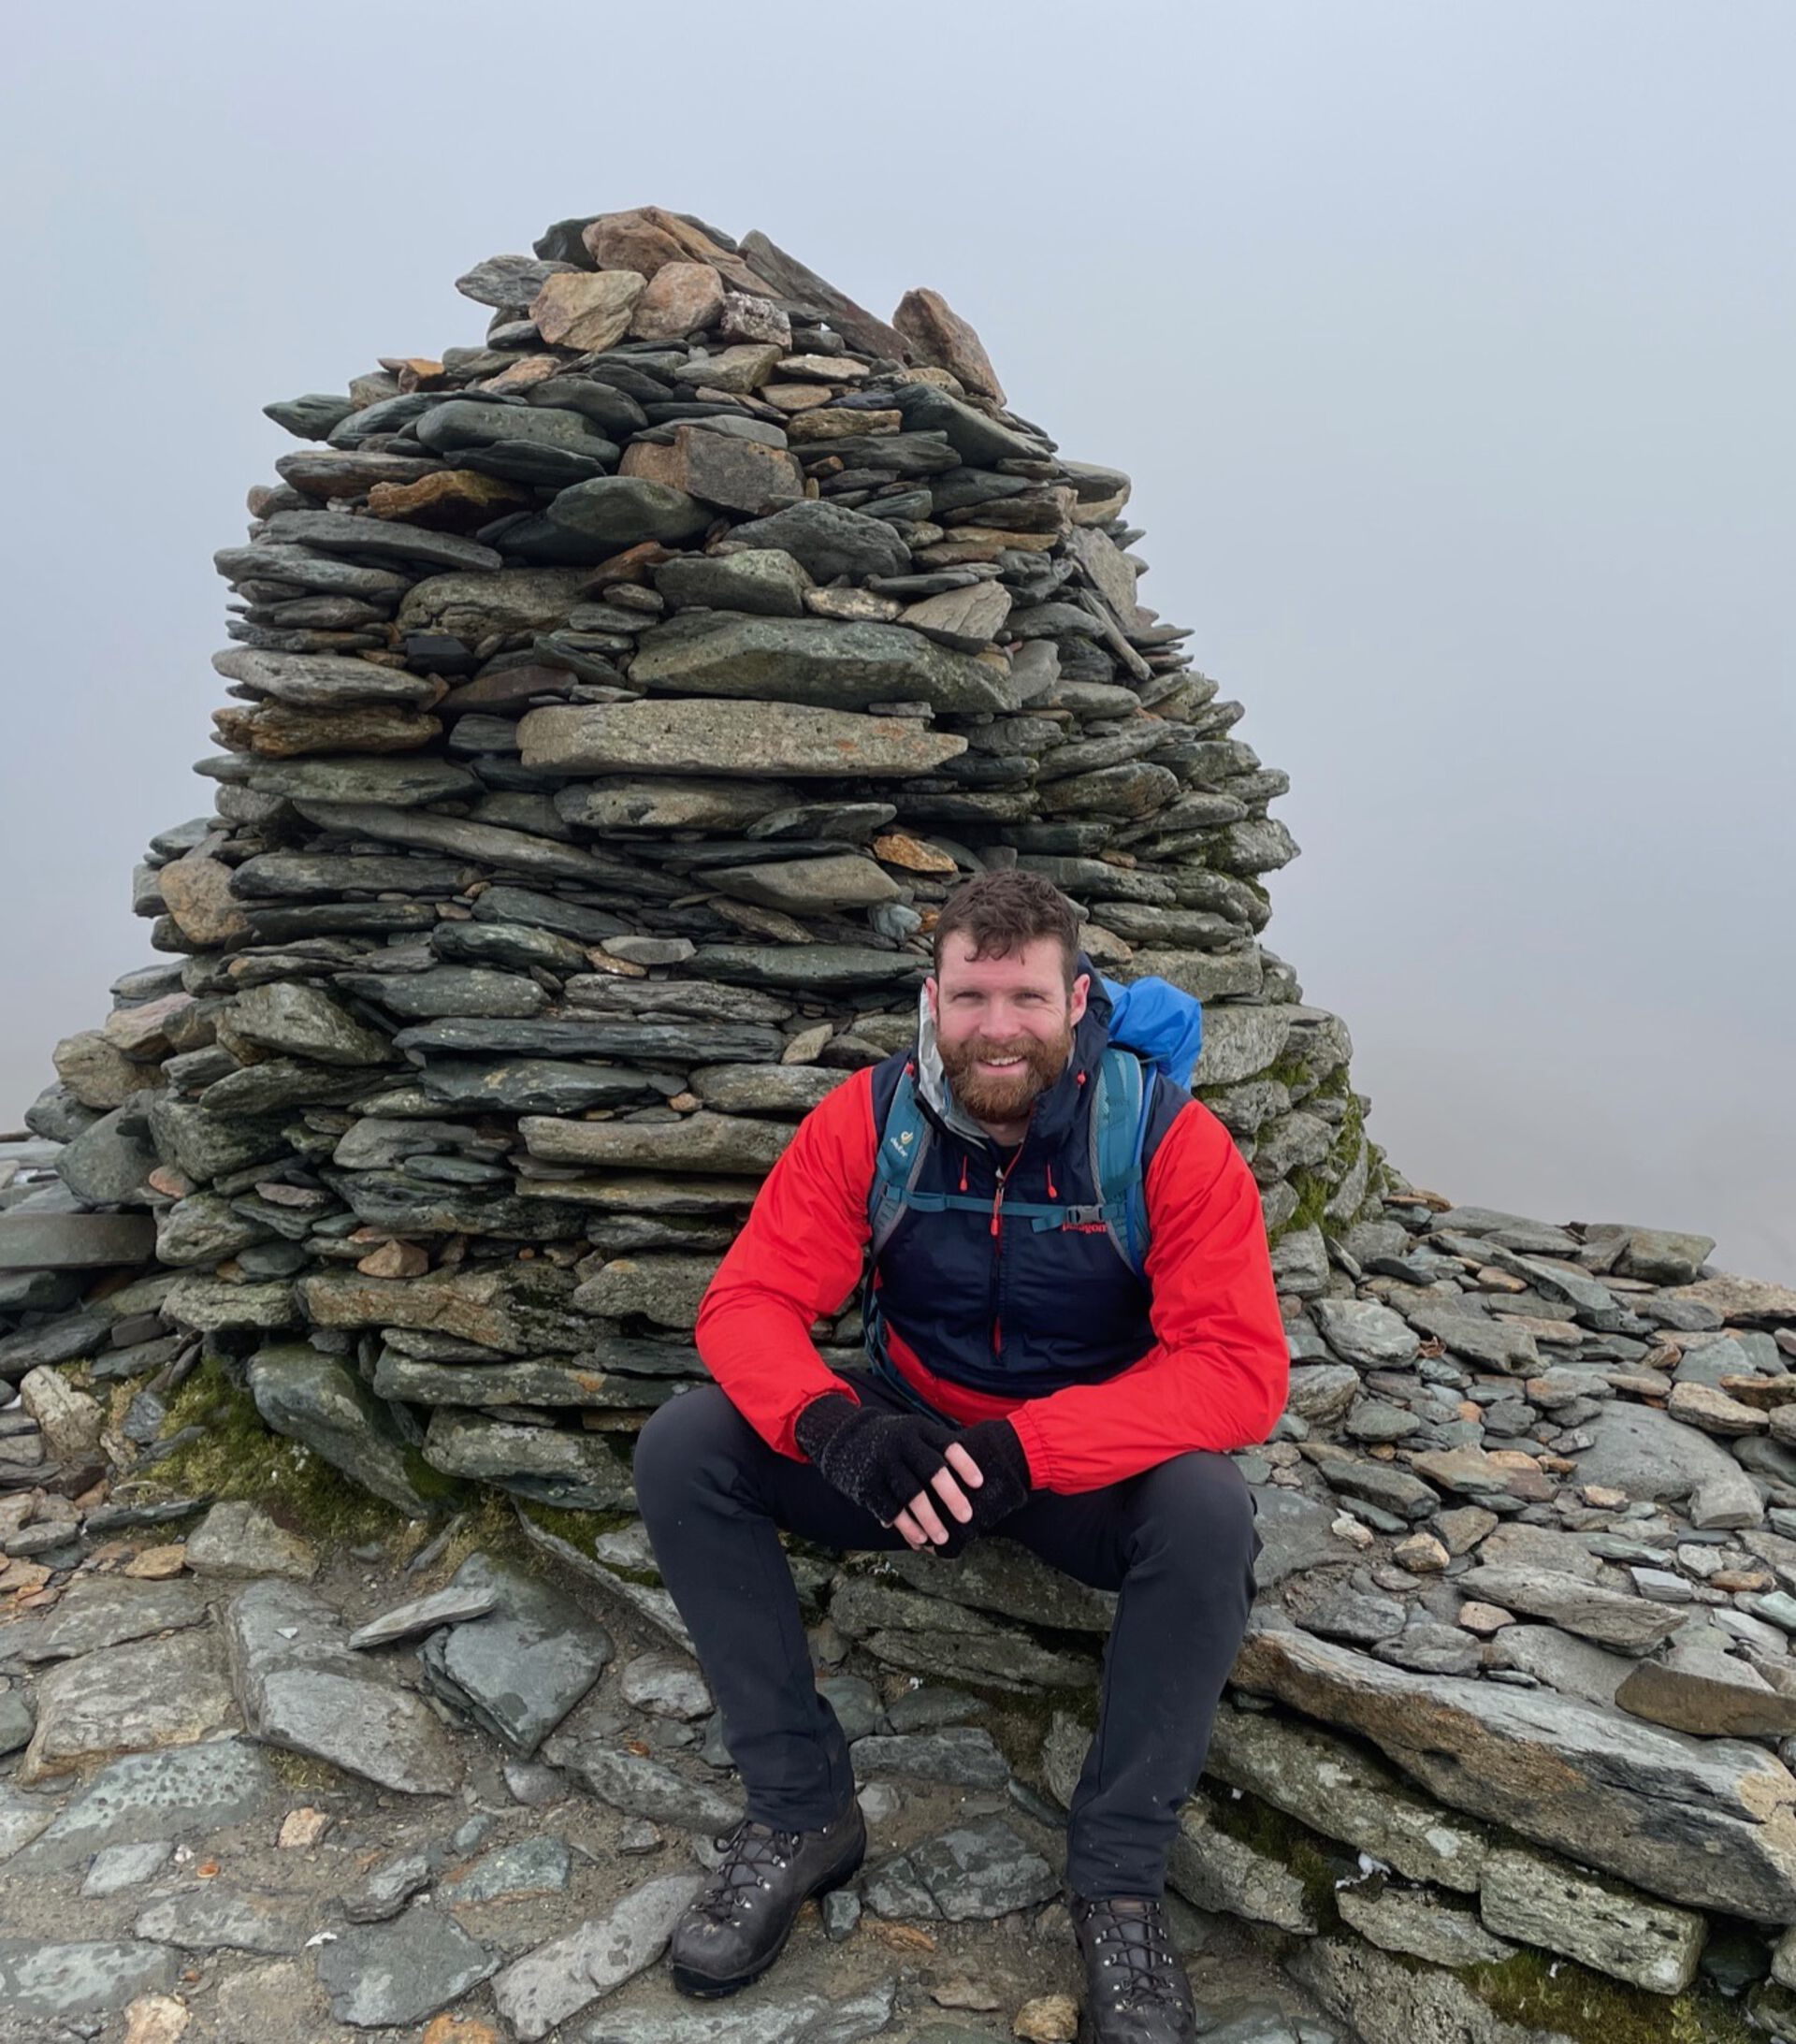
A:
{"points": [[613, 704]]}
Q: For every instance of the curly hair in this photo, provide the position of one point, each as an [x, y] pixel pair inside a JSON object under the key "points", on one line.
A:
{"points": [[1000, 912]]}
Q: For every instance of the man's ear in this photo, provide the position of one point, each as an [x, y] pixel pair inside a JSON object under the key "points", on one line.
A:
{"points": [[1081, 987], [935, 999]]}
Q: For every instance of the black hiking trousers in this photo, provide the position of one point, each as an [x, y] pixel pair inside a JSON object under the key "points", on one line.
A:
{"points": [[1177, 1541]]}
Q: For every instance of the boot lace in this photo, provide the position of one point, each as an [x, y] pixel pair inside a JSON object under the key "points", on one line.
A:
{"points": [[750, 1851], [1132, 1934]]}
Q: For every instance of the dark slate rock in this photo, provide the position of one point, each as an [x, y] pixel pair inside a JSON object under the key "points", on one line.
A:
{"points": [[813, 660], [214, 1918], [313, 1398], [313, 416], [386, 1889], [150, 1796], [527, 1085], [533, 1866], [301, 1687], [552, 1037], [828, 541], [105, 1165], [963, 1755], [381, 1976], [64, 1983], [379, 539], [97, 1612], [520, 1669], [979, 1870]]}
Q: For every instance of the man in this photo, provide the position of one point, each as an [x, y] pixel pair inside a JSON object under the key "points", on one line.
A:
{"points": [[1023, 1377]]}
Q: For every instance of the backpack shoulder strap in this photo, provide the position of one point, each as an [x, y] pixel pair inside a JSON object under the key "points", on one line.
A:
{"points": [[905, 1142], [1119, 1124]]}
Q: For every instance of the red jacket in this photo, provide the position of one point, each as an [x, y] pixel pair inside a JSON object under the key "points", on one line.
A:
{"points": [[1215, 1378]]}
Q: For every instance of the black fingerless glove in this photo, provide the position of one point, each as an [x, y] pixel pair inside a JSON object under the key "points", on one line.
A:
{"points": [[879, 1459], [994, 1446]]}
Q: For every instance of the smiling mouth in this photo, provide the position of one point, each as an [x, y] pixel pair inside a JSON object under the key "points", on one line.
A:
{"points": [[1000, 1064]]}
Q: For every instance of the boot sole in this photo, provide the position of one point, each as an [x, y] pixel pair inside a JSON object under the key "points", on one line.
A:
{"points": [[707, 1987]]}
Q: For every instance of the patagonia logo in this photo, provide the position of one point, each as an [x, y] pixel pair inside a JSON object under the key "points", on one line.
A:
{"points": [[1084, 1227]]}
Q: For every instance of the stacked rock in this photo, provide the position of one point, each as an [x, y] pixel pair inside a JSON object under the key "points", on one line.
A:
{"points": [[612, 707], [613, 704]]}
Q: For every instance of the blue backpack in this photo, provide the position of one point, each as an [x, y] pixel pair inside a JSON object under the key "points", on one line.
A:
{"points": [[1153, 1028]]}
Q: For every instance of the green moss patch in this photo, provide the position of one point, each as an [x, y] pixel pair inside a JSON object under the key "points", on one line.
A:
{"points": [[235, 1456], [1559, 1995]]}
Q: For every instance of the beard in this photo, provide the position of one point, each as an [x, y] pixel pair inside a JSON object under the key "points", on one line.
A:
{"points": [[1004, 1096]]}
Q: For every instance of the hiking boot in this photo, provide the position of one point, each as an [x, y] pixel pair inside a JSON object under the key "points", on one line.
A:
{"points": [[739, 1923], [1135, 1991]]}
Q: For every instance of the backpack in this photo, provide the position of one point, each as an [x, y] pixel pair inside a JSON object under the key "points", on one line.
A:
{"points": [[1153, 1028]]}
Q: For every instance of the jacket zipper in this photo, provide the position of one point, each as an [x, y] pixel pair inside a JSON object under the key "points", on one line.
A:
{"points": [[1003, 1173]]}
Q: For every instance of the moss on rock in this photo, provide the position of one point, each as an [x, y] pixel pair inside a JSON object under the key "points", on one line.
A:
{"points": [[1563, 1998], [235, 1456]]}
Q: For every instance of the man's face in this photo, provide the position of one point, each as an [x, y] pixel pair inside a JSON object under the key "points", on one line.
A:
{"points": [[1004, 1026]]}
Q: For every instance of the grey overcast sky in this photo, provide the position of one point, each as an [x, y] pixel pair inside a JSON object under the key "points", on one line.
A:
{"points": [[1450, 347]]}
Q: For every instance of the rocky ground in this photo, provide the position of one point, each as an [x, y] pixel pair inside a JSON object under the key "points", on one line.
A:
{"points": [[613, 703], [424, 1789]]}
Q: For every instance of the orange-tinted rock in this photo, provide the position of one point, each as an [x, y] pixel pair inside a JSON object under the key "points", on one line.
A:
{"points": [[589, 311], [648, 238], [529, 370], [451, 499], [941, 337], [282, 731], [840, 424], [899, 849], [197, 891], [143, 1031], [681, 298], [395, 1260], [719, 469]]}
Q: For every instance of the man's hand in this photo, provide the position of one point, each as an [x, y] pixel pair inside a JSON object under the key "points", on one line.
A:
{"points": [[992, 1458], [920, 1522], [887, 1462]]}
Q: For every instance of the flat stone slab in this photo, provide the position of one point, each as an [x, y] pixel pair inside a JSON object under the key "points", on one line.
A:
{"points": [[520, 1669], [1631, 1937], [302, 1688], [784, 2018], [209, 1919], [641, 1787], [1413, 1921], [814, 660], [1692, 1699], [425, 1614], [1229, 1876], [1629, 1625], [75, 1242], [1344, 1790], [536, 1992], [116, 1868], [237, 1541], [97, 1612], [380, 1976], [1710, 1822], [977, 1870], [390, 1886], [52, 1981], [963, 1755], [23, 1818], [534, 1867], [713, 734], [131, 1699], [666, 1684], [150, 1797]]}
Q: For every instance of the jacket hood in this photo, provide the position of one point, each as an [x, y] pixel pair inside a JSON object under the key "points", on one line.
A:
{"points": [[1055, 1111]]}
